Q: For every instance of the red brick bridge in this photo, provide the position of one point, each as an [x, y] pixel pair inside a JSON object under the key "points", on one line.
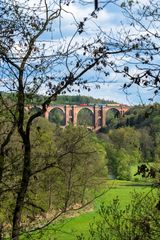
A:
{"points": [[99, 112]]}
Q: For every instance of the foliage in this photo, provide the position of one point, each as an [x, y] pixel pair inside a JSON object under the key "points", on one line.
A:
{"points": [[138, 220], [75, 223], [66, 164], [145, 120], [85, 117], [61, 99], [79, 99], [123, 151]]}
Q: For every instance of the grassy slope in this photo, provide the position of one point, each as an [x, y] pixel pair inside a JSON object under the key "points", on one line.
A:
{"points": [[69, 228]]}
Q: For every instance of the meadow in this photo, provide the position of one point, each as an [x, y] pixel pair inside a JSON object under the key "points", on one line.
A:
{"points": [[69, 227]]}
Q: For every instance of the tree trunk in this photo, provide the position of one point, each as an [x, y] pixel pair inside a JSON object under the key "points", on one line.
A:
{"points": [[1, 231], [1, 174], [2, 147], [22, 192], [1, 165]]}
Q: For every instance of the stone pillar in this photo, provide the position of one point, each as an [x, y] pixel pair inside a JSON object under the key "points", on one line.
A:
{"points": [[46, 114], [106, 109], [96, 117], [103, 116], [67, 109], [75, 113]]}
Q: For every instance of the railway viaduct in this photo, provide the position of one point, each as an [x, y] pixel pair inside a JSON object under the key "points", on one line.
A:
{"points": [[99, 112]]}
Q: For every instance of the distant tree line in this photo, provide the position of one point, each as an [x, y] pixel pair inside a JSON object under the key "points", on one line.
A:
{"points": [[61, 99]]}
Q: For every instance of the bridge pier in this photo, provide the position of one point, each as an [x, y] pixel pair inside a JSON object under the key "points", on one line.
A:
{"points": [[96, 116], [67, 114], [75, 113], [103, 114], [46, 114]]}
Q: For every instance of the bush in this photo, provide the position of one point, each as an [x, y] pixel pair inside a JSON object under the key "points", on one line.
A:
{"points": [[140, 220]]}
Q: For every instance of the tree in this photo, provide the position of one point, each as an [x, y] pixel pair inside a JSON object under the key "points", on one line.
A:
{"points": [[65, 168], [123, 151], [80, 168], [29, 64]]}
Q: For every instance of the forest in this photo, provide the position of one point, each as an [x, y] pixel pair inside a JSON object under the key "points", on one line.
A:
{"points": [[51, 175], [61, 179], [134, 137], [61, 99]]}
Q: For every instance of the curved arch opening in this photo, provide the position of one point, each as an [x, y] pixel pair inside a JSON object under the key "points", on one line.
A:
{"points": [[34, 110], [85, 117], [70, 113], [99, 113], [99, 122], [111, 115], [57, 116]]}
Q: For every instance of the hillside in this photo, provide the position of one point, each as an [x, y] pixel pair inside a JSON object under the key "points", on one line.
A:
{"points": [[62, 99], [141, 123]]}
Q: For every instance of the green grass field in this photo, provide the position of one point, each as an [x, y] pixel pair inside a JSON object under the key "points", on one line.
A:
{"points": [[68, 229]]}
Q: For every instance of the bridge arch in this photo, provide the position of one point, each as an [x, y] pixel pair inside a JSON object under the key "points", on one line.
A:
{"points": [[56, 107], [85, 116], [57, 116], [85, 107], [99, 122], [111, 114], [35, 109], [99, 113]]}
